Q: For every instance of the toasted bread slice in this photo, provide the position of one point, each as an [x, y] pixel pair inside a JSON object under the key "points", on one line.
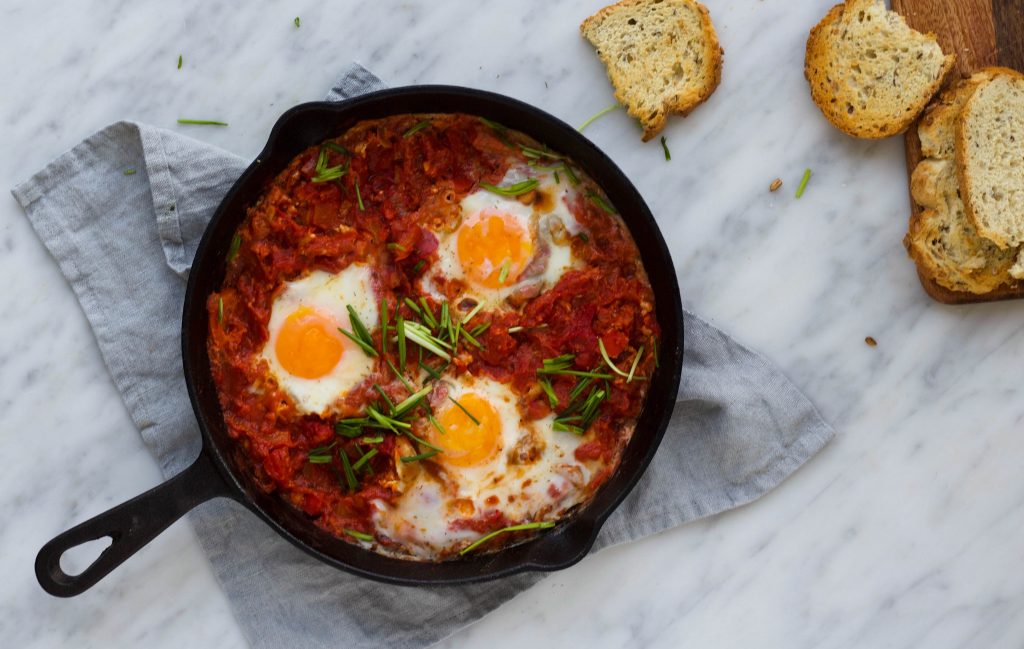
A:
{"points": [[662, 56], [941, 240], [990, 158], [870, 73]]}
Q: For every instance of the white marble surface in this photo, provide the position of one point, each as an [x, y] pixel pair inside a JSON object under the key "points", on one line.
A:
{"points": [[908, 531]]}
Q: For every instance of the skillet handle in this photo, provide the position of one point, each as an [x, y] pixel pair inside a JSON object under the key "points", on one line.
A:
{"points": [[130, 526]]}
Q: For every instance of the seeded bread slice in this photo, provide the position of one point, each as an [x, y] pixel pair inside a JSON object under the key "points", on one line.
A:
{"points": [[870, 73], [941, 240], [662, 56], [990, 158]]}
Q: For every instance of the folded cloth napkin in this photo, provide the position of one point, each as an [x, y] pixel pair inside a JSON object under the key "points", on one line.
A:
{"points": [[125, 241]]}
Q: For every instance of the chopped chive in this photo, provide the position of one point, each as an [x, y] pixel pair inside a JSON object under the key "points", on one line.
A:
{"points": [[411, 401], [321, 454], [601, 113], [357, 325], [396, 246], [578, 390], [420, 335], [530, 152], [664, 145], [421, 456], [573, 178], [387, 399], [416, 128], [654, 350], [415, 307], [180, 61], [566, 428], [607, 360], [400, 328], [419, 266], [326, 174], [436, 424], [364, 459], [470, 338], [354, 534], [371, 440], [545, 385], [479, 329], [513, 330], [636, 361], [220, 310], [463, 409], [518, 189], [803, 183], [558, 181], [298, 23], [359, 197], [390, 423], [592, 375], [128, 172], [599, 200], [429, 370], [384, 327], [236, 243], [445, 320], [201, 122], [350, 476], [512, 528], [350, 427], [370, 351], [503, 275], [428, 315], [584, 237], [408, 386], [473, 312], [423, 442]]}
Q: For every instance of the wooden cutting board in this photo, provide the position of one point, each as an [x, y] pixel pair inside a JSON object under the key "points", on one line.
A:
{"points": [[980, 33]]}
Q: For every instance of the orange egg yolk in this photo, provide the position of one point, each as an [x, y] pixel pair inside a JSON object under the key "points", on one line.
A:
{"points": [[308, 344], [490, 242], [465, 442]]}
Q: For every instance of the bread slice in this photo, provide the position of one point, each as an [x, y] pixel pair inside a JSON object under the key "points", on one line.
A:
{"points": [[990, 158], [662, 57], [870, 73], [941, 240]]}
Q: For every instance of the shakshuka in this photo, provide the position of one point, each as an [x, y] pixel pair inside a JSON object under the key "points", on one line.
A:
{"points": [[434, 336]]}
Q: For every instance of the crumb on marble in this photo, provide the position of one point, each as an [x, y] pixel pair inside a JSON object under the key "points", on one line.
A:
{"points": [[871, 342]]}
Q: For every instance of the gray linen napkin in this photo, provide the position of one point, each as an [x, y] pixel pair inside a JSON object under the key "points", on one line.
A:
{"points": [[125, 243]]}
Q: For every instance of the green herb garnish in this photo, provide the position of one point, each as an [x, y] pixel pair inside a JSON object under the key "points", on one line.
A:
{"points": [[416, 128], [384, 327], [421, 456], [358, 327], [420, 335], [530, 152], [545, 385], [350, 475], [359, 196], [599, 200], [513, 528], [395, 247], [236, 243], [463, 409], [607, 360], [601, 113], [518, 189], [298, 23], [419, 266], [220, 310], [411, 401], [180, 61], [201, 122], [321, 454], [473, 312], [358, 464], [128, 172], [366, 347], [636, 361], [354, 534], [503, 275], [400, 339], [803, 183], [387, 399], [664, 145]]}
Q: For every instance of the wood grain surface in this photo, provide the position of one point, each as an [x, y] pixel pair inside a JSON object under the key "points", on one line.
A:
{"points": [[981, 33]]}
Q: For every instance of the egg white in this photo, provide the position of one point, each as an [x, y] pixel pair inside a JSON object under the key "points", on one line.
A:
{"points": [[329, 295]]}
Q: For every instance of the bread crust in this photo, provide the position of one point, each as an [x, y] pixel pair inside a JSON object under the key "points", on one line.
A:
{"points": [[963, 177], [683, 104], [825, 91]]}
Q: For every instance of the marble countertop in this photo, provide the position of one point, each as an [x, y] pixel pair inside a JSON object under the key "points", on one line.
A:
{"points": [[908, 530]]}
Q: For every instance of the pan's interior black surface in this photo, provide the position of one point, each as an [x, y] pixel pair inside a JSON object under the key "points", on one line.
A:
{"points": [[310, 124]]}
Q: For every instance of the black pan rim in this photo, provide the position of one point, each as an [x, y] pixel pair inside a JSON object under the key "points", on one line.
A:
{"points": [[588, 523]]}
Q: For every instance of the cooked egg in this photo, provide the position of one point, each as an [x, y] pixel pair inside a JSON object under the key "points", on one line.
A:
{"points": [[492, 460], [503, 246], [310, 359]]}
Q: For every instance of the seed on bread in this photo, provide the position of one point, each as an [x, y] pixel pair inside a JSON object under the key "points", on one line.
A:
{"points": [[870, 73], [662, 57], [990, 158]]}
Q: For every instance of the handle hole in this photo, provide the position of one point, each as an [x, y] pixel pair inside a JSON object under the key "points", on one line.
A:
{"points": [[77, 559]]}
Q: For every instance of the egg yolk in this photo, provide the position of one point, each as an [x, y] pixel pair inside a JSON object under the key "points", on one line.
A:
{"points": [[490, 242], [308, 344], [465, 442]]}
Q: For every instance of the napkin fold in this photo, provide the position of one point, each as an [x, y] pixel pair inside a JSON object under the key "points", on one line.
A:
{"points": [[122, 214]]}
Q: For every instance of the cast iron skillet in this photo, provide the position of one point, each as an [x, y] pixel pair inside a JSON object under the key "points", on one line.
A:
{"points": [[216, 473]]}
